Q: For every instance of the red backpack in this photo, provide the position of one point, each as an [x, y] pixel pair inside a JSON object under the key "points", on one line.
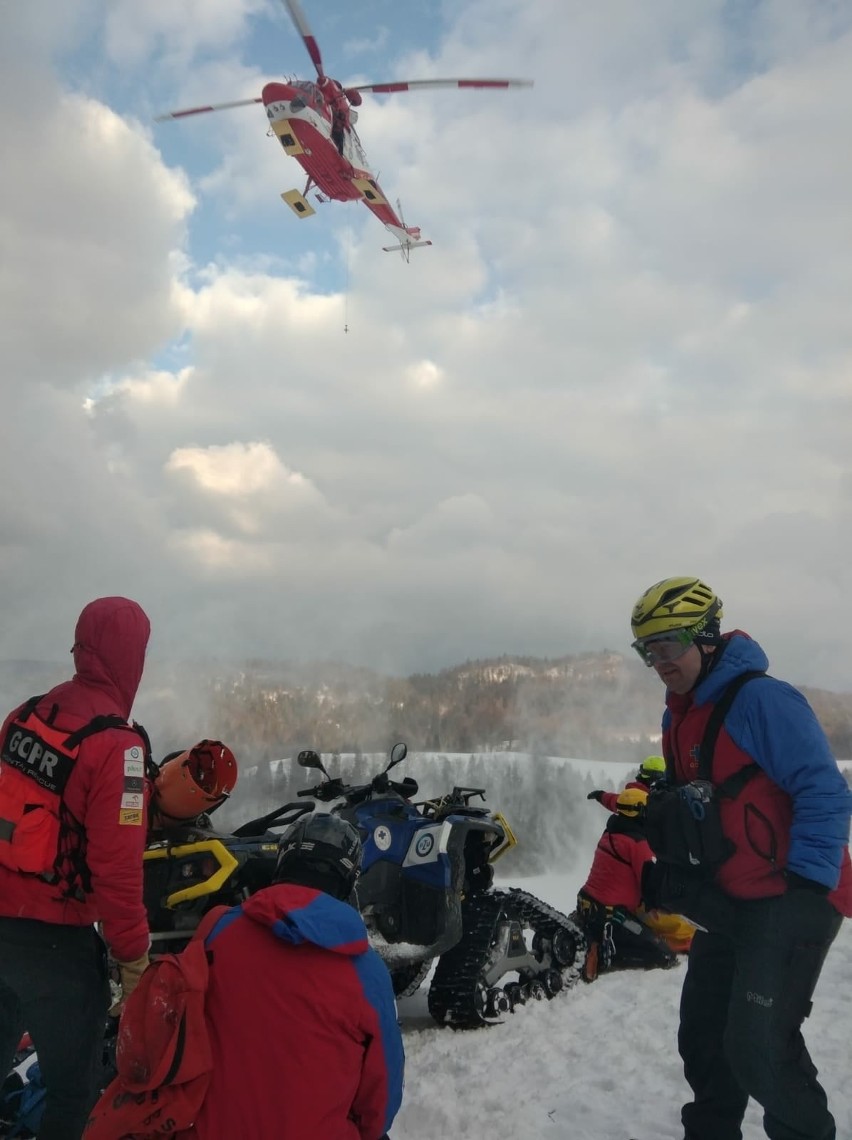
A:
{"points": [[163, 1049]]}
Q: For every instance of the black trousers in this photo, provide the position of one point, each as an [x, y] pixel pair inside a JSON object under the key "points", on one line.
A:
{"points": [[745, 996], [53, 984]]}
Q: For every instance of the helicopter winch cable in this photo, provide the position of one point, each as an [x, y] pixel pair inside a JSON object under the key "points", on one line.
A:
{"points": [[348, 240]]}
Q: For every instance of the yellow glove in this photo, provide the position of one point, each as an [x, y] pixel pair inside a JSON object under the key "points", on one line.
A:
{"points": [[129, 974]]}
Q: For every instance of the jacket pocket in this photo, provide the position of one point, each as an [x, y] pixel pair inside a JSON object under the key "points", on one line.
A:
{"points": [[760, 834]]}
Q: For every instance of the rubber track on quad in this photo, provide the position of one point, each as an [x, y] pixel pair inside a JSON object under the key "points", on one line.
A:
{"points": [[455, 992]]}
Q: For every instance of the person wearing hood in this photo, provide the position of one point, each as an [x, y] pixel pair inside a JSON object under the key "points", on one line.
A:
{"points": [[751, 833], [72, 833], [299, 1008]]}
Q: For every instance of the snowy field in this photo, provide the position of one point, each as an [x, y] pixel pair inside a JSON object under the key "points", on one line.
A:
{"points": [[598, 1062]]}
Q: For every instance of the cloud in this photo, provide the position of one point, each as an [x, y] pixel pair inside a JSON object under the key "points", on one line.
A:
{"points": [[626, 355], [133, 33]]}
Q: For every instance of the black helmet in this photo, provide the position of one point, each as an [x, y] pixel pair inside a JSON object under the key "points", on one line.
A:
{"points": [[320, 851]]}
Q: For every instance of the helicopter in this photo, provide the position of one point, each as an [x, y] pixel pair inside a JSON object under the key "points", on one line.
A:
{"points": [[314, 121]]}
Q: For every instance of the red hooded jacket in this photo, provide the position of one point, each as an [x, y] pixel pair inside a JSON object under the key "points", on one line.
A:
{"points": [[109, 656]]}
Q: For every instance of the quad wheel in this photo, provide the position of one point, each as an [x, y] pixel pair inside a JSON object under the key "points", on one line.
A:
{"points": [[514, 994], [497, 1002], [552, 982], [466, 993], [535, 990]]}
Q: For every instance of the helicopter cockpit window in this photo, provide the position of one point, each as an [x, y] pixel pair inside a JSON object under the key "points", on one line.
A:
{"points": [[297, 104]]}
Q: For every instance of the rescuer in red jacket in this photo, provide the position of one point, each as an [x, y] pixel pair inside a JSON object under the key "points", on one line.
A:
{"points": [[72, 832], [608, 901], [652, 769], [300, 1010]]}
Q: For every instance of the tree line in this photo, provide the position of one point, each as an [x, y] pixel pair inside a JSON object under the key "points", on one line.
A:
{"points": [[599, 706]]}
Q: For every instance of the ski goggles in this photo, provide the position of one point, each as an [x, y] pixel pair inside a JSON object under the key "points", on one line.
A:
{"points": [[664, 646]]}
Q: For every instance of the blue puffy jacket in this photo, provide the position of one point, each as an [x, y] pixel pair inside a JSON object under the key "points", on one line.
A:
{"points": [[795, 812]]}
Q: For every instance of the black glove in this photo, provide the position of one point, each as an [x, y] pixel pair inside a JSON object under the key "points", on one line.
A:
{"points": [[596, 795], [681, 890], [800, 883], [652, 877]]}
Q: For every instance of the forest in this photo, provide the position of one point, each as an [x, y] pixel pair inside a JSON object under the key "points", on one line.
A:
{"points": [[599, 706], [500, 724]]}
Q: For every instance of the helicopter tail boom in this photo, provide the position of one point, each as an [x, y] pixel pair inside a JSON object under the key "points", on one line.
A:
{"points": [[407, 236]]}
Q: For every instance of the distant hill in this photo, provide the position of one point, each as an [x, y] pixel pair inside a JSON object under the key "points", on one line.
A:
{"points": [[603, 706]]}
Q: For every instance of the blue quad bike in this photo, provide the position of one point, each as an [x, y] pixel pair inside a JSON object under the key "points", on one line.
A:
{"points": [[425, 891]]}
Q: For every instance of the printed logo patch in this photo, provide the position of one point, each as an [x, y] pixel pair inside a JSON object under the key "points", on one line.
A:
{"points": [[134, 753], [135, 768], [382, 837], [132, 816], [132, 800], [424, 845]]}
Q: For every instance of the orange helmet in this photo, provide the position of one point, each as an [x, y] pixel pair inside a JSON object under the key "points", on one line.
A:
{"points": [[195, 781]]}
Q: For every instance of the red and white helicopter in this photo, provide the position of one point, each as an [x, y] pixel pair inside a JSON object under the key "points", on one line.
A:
{"points": [[315, 123]]}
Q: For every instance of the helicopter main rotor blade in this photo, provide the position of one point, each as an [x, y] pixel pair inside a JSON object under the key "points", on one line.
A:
{"points": [[202, 110], [304, 30], [413, 84]]}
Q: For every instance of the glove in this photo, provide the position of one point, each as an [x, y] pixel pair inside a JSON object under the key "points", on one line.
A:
{"points": [[679, 890], [129, 974], [596, 795], [800, 883], [652, 882]]}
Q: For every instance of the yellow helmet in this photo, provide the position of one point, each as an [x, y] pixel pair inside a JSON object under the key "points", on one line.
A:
{"points": [[653, 766], [631, 802], [686, 604]]}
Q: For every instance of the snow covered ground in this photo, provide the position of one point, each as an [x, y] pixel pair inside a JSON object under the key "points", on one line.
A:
{"points": [[598, 1062]]}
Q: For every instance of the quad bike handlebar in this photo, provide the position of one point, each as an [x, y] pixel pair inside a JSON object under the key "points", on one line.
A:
{"points": [[332, 788]]}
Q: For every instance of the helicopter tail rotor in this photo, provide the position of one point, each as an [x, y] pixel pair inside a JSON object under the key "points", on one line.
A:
{"points": [[407, 236]]}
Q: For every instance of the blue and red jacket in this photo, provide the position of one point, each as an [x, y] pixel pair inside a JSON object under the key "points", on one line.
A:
{"points": [[302, 1023], [795, 811]]}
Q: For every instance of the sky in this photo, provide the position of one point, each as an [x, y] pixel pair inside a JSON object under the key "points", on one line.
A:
{"points": [[625, 356]]}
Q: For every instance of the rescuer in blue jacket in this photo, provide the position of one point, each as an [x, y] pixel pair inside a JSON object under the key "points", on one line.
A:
{"points": [[772, 902]]}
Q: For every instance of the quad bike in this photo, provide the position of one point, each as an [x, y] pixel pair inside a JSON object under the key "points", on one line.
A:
{"points": [[425, 892]]}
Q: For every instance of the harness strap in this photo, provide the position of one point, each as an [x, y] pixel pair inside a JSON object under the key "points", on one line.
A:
{"points": [[731, 787], [96, 724]]}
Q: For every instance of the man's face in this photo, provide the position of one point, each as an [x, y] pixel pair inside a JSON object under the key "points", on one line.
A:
{"points": [[680, 674]]}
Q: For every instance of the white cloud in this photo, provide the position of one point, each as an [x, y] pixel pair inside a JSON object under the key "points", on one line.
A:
{"points": [[235, 469], [628, 351], [91, 218], [134, 32]]}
